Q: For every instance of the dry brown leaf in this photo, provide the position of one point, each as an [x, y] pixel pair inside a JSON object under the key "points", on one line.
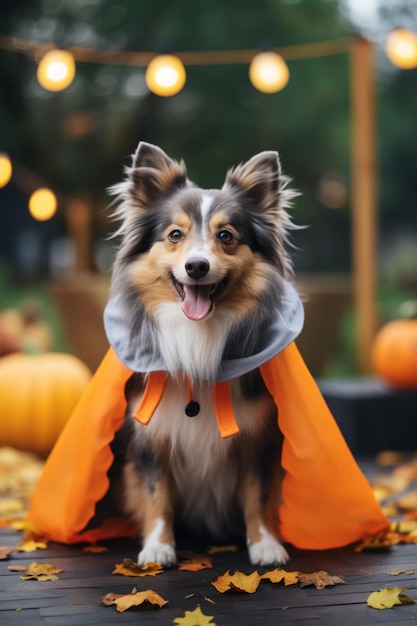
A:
{"points": [[319, 579], [237, 582], [388, 598], [219, 549], [41, 572], [129, 568], [408, 501], [194, 618], [5, 552], [397, 572], [193, 562], [133, 599], [17, 568], [277, 575]]}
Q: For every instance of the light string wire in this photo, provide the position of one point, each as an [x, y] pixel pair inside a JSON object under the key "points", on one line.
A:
{"points": [[29, 47]]}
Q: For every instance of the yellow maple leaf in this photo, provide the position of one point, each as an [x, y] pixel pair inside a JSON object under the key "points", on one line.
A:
{"points": [[319, 579], [194, 618], [41, 571], [237, 582], [133, 599], [129, 568], [388, 597], [194, 562], [277, 575], [31, 545]]}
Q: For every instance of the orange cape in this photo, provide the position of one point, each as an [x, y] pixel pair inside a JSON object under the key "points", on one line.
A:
{"points": [[327, 502]]}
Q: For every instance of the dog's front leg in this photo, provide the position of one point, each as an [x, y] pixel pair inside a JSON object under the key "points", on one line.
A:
{"points": [[263, 545], [149, 500]]}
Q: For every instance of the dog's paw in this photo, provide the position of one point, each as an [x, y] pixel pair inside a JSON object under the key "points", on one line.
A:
{"points": [[267, 551], [162, 553]]}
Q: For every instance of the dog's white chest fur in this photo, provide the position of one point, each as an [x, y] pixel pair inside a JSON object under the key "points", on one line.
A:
{"points": [[205, 474]]}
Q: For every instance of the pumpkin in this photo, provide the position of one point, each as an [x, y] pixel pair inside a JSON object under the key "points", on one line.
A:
{"points": [[394, 353], [37, 395]]}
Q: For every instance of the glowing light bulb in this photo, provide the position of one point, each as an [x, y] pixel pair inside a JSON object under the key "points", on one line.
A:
{"points": [[401, 48], [268, 72], [42, 204], [5, 170], [165, 75], [56, 70]]}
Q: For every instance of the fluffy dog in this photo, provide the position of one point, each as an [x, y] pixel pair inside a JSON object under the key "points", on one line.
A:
{"points": [[197, 281]]}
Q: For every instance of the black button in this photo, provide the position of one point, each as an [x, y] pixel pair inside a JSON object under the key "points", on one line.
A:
{"points": [[192, 409]]}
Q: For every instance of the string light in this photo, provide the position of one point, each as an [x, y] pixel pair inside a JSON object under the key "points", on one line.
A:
{"points": [[165, 75], [42, 204], [56, 70], [268, 72], [401, 48], [5, 170]]}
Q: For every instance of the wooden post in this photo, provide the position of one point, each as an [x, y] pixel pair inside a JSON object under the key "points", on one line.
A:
{"points": [[363, 205], [78, 218]]}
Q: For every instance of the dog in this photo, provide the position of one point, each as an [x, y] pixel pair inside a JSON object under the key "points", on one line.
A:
{"points": [[197, 278]]}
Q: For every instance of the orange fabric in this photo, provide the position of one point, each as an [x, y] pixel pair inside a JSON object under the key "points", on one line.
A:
{"points": [[327, 500], [154, 390], [75, 474], [226, 420]]}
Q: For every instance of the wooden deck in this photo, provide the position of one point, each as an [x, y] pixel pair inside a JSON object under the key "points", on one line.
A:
{"points": [[75, 598]]}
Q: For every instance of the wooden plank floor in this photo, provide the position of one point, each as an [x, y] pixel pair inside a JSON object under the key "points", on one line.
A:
{"points": [[74, 599]]}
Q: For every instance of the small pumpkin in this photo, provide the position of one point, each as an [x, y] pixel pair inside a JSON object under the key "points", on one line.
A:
{"points": [[394, 353], [37, 395]]}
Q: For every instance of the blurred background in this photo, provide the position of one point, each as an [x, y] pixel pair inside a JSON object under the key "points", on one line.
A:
{"points": [[75, 142]]}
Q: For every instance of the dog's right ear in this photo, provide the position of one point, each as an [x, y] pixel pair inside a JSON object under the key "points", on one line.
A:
{"points": [[153, 175]]}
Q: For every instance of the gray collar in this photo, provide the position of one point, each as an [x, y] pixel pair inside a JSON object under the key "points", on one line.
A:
{"points": [[285, 328]]}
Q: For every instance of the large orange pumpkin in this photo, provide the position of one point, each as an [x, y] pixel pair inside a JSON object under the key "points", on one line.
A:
{"points": [[37, 396], [394, 353]]}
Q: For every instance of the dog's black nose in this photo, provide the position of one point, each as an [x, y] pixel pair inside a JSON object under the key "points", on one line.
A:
{"points": [[197, 268]]}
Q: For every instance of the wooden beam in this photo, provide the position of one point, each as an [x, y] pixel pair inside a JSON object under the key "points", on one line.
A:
{"points": [[363, 204]]}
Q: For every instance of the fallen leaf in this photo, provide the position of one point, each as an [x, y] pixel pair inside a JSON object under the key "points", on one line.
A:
{"points": [[219, 549], [319, 579], [194, 618], [388, 598], [277, 575], [17, 568], [31, 546], [408, 501], [194, 562], [5, 552], [380, 542], [397, 572], [129, 568], [132, 599], [41, 572], [95, 549], [237, 582]]}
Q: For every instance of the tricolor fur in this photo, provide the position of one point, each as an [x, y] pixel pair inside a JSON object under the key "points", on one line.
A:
{"points": [[200, 275]]}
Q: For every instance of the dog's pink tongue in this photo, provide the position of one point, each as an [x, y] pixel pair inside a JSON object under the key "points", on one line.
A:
{"points": [[197, 303]]}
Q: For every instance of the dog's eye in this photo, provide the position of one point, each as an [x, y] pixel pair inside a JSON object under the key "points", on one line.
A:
{"points": [[225, 236], [175, 235]]}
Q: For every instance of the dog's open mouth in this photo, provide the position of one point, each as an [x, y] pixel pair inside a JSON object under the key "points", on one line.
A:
{"points": [[197, 300]]}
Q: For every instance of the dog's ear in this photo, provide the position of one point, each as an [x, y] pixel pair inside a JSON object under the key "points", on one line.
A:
{"points": [[154, 174], [258, 179]]}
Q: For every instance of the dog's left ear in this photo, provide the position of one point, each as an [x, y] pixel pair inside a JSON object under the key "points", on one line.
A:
{"points": [[154, 174], [258, 179]]}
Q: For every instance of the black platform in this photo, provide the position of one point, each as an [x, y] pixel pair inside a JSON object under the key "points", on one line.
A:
{"points": [[372, 416]]}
